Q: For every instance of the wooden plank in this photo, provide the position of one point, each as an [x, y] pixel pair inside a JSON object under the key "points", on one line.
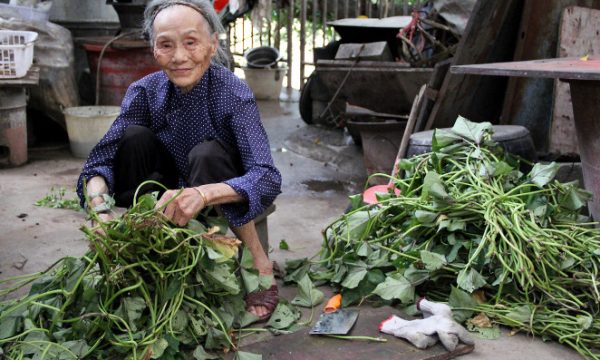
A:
{"points": [[578, 36], [561, 68], [431, 93], [528, 101], [489, 37]]}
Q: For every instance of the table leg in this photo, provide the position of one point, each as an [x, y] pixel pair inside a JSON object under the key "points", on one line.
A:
{"points": [[585, 95], [13, 123]]}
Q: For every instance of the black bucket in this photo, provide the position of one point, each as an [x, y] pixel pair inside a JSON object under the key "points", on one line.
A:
{"points": [[262, 57]]}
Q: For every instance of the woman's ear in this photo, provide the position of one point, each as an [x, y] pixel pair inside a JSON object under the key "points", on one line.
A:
{"points": [[214, 42]]}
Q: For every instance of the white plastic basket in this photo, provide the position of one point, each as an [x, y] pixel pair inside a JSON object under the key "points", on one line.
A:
{"points": [[16, 53]]}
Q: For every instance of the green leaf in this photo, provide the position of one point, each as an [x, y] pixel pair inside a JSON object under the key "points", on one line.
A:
{"points": [[396, 288], [196, 226], [283, 316], [31, 343], [356, 201], [542, 174], [567, 262], [250, 278], [502, 168], [77, 347], [433, 261], [488, 333], [215, 339], [221, 274], [198, 326], [354, 277], [242, 355], [457, 225], [158, 348], [425, 217], [247, 261], [416, 276], [454, 252], [521, 314], [215, 255], [442, 139], [308, 295], [433, 185], [283, 245], [265, 281], [133, 306], [364, 249], [459, 301], [470, 280], [9, 326], [179, 321], [201, 354], [575, 199], [247, 318], [584, 321], [173, 288], [356, 223], [471, 131], [296, 269]]}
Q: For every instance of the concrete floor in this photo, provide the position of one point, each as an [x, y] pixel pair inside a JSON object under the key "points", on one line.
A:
{"points": [[320, 169]]}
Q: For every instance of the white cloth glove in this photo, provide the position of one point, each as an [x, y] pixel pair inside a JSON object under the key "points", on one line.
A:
{"points": [[422, 333], [393, 324]]}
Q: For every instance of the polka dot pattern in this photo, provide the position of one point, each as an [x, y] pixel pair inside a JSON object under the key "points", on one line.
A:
{"points": [[219, 106]]}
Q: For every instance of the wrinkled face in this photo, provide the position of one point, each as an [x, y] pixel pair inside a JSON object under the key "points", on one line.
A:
{"points": [[183, 45]]}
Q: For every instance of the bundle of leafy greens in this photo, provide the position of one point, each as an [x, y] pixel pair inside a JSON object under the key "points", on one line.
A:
{"points": [[146, 290], [470, 228]]}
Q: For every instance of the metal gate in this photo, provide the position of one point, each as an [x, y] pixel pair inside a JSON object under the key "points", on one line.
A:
{"points": [[296, 27]]}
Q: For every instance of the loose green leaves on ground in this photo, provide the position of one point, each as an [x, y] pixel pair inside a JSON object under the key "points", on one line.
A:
{"points": [[283, 245], [56, 199], [308, 295]]}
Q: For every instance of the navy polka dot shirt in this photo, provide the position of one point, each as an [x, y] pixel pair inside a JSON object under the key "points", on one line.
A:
{"points": [[219, 106]]}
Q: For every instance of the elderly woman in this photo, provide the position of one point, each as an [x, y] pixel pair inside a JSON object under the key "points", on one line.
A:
{"points": [[194, 125]]}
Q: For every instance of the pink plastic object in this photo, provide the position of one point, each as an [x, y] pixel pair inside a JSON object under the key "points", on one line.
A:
{"points": [[369, 194]]}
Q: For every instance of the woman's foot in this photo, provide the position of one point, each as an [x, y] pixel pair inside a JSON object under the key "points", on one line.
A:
{"points": [[263, 302]]}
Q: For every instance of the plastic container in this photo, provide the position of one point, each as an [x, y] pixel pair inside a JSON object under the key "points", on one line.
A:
{"points": [[265, 83], [86, 125], [16, 53]]}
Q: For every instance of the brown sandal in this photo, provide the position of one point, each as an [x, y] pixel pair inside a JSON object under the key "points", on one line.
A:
{"points": [[268, 298]]}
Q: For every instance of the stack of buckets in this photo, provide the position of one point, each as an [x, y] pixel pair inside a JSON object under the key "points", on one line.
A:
{"points": [[262, 72]]}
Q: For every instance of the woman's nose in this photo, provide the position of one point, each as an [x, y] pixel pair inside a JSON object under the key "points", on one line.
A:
{"points": [[180, 54]]}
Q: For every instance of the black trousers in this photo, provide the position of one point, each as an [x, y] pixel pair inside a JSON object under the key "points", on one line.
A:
{"points": [[141, 156]]}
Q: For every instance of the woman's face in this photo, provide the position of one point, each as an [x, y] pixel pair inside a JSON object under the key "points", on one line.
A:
{"points": [[183, 45]]}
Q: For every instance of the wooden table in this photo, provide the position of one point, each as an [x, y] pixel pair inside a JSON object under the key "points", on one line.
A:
{"points": [[583, 76]]}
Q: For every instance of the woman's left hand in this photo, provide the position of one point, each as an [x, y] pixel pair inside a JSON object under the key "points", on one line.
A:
{"points": [[184, 207]]}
